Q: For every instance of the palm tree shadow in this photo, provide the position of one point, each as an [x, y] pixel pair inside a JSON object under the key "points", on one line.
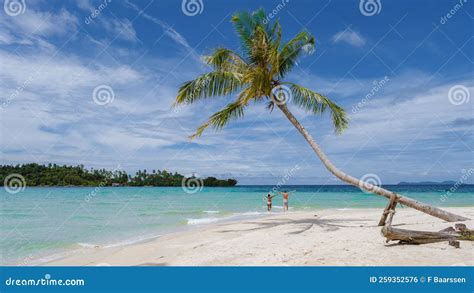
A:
{"points": [[327, 224]]}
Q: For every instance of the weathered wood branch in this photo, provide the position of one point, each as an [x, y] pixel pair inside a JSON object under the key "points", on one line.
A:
{"points": [[460, 232], [390, 206]]}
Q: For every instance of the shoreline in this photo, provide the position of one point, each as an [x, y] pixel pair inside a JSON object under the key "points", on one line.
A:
{"points": [[193, 225], [326, 237]]}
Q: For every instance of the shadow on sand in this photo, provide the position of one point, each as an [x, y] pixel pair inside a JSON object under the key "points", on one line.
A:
{"points": [[327, 224]]}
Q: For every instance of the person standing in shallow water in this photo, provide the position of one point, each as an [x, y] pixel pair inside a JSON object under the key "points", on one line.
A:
{"points": [[269, 198], [286, 195]]}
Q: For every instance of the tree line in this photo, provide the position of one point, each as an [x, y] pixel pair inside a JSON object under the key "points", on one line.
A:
{"points": [[57, 175]]}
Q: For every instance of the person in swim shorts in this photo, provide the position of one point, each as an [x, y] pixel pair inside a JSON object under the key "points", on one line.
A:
{"points": [[286, 195]]}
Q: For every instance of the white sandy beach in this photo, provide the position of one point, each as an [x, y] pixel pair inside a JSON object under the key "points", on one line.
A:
{"points": [[305, 238]]}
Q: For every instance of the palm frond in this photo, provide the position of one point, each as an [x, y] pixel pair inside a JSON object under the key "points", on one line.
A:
{"points": [[216, 83], [274, 55], [223, 59], [291, 51], [245, 24], [317, 104], [258, 79], [260, 44], [221, 118], [231, 112], [270, 106]]}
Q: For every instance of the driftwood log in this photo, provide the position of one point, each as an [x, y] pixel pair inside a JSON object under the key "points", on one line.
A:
{"points": [[450, 234]]}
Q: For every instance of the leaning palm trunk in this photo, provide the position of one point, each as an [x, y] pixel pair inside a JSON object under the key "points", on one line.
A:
{"points": [[365, 185]]}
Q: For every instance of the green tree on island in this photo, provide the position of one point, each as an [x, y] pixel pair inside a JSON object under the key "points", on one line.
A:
{"points": [[55, 175], [258, 77]]}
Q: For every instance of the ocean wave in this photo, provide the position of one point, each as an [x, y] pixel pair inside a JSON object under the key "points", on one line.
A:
{"points": [[135, 240], [202, 221], [189, 212], [88, 245], [46, 259], [180, 212], [249, 214], [236, 216]]}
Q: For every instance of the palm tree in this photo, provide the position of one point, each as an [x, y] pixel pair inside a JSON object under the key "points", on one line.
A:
{"points": [[258, 76]]}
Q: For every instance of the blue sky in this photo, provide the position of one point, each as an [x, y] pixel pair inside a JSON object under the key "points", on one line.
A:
{"points": [[403, 74]]}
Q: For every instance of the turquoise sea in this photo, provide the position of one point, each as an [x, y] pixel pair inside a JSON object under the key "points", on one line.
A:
{"points": [[38, 223]]}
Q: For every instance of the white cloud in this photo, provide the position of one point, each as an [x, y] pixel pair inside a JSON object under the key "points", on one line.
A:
{"points": [[42, 23], [424, 115], [61, 75], [54, 118], [33, 27], [168, 30], [85, 5], [122, 28], [350, 37]]}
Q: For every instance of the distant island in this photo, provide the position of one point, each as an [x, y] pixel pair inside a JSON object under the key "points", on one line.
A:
{"points": [[56, 175], [428, 183]]}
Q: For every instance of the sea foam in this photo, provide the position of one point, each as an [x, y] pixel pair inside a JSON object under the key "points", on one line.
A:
{"points": [[202, 221]]}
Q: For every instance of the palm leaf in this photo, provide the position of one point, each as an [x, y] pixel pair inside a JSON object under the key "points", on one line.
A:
{"points": [[221, 118], [317, 104], [223, 59], [245, 24], [216, 83], [231, 112], [291, 51]]}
